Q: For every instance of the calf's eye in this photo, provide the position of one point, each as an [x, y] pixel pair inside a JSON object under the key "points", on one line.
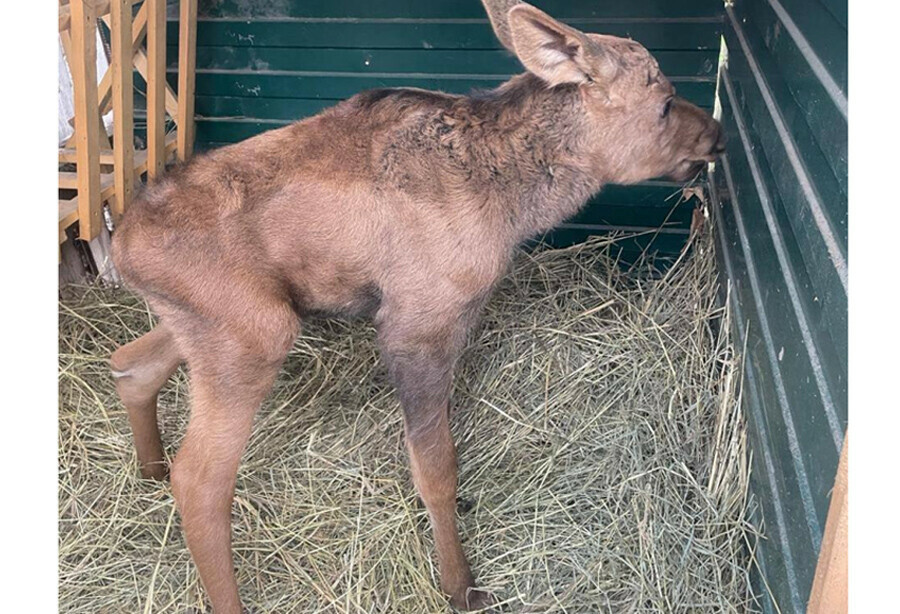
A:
{"points": [[666, 107]]}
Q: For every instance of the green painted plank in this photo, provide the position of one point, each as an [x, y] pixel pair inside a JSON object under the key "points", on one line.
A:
{"points": [[838, 8], [827, 306], [698, 34], [657, 193], [232, 130], [627, 249], [809, 433], [824, 32], [815, 121], [824, 306], [460, 9], [597, 214], [343, 85], [774, 554], [689, 63], [285, 109], [771, 438], [814, 245]]}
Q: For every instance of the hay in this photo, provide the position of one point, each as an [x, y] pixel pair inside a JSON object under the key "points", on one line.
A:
{"points": [[603, 461]]}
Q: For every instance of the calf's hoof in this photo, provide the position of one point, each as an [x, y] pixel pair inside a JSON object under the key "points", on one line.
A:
{"points": [[158, 471], [472, 599]]}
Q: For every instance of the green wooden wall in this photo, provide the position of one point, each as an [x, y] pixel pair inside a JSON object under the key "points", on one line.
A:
{"points": [[781, 218], [264, 63]]}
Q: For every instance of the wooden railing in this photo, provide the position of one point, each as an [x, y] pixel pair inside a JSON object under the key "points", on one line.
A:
{"points": [[106, 171]]}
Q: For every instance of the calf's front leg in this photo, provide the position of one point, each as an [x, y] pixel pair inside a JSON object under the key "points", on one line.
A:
{"points": [[423, 374]]}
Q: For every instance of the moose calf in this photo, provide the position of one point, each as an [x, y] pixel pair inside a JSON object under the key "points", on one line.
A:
{"points": [[402, 205]]}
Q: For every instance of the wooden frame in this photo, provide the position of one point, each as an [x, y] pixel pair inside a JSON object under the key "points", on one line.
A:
{"points": [[89, 147], [829, 590]]}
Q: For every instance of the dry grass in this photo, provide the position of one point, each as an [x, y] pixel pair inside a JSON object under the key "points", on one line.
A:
{"points": [[603, 461]]}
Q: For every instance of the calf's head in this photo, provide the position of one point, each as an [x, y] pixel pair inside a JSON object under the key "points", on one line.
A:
{"points": [[637, 127]]}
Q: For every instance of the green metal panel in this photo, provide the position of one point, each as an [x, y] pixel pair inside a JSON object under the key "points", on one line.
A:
{"points": [[780, 207], [264, 63]]}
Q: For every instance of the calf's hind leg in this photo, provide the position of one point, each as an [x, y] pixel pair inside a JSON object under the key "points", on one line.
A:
{"points": [[141, 368], [230, 377]]}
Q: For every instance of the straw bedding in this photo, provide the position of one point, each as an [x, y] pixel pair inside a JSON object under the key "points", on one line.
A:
{"points": [[603, 462]]}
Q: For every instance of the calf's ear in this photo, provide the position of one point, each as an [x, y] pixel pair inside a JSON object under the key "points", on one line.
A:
{"points": [[497, 11], [555, 52]]}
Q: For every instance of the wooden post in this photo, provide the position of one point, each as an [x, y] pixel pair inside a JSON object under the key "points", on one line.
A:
{"points": [[122, 104], [87, 120], [156, 87], [138, 29], [829, 590], [187, 56]]}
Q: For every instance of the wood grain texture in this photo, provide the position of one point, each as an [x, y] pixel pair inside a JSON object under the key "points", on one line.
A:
{"points": [[156, 86], [83, 66], [829, 591], [122, 104], [187, 54]]}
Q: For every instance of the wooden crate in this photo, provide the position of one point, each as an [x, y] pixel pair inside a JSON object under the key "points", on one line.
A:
{"points": [[106, 171]]}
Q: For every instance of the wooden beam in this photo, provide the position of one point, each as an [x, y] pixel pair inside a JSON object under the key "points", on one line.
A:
{"points": [[829, 590], [69, 181], [68, 155], [187, 56], [138, 30], [156, 86], [83, 64], [140, 65], [123, 105]]}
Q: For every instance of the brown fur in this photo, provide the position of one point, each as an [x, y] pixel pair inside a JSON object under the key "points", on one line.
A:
{"points": [[401, 205]]}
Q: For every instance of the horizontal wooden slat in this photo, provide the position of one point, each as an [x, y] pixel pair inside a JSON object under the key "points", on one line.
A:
{"points": [[67, 155], [343, 85], [678, 217], [681, 63], [106, 155], [697, 34], [69, 181], [464, 9]]}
